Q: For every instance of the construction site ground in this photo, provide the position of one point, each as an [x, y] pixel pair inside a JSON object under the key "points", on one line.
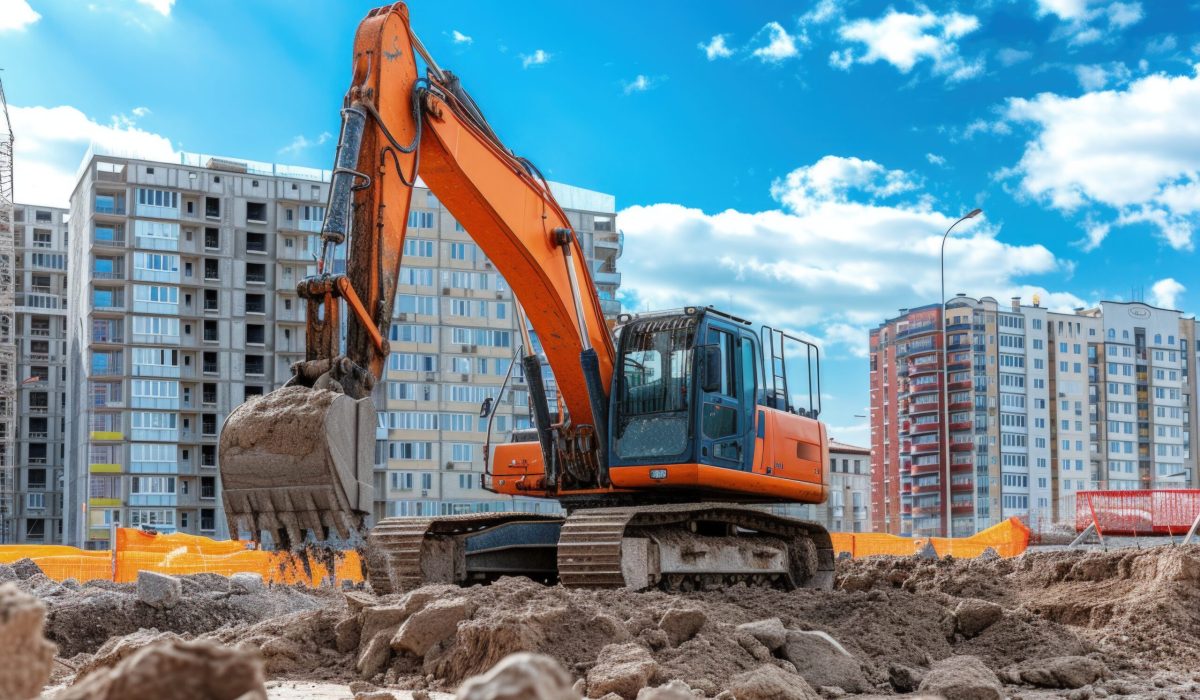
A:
{"points": [[1047, 624]]}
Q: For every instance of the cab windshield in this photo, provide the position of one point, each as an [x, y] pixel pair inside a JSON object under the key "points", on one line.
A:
{"points": [[653, 389]]}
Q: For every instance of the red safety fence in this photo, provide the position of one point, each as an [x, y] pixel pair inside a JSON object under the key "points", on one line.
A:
{"points": [[1130, 513]]}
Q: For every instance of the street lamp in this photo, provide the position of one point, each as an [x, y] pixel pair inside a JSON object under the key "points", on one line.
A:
{"points": [[945, 388]]}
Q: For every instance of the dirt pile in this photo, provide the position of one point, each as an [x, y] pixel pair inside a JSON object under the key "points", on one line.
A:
{"points": [[1139, 607], [81, 618]]}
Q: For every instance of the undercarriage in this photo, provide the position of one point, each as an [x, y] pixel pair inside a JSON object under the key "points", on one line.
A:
{"points": [[680, 547]]}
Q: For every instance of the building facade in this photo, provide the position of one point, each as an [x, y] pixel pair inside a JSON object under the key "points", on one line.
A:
{"points": [[40, 312], [454, 335], [182, 305], [1021, 408]]}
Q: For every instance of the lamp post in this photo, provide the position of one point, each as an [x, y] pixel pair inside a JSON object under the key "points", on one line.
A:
{"points": [[945, 388]]}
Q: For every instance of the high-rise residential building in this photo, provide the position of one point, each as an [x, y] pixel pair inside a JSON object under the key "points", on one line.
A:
{"points": [[182, 304], [1032, 406], [453, 339], [40, 314]]}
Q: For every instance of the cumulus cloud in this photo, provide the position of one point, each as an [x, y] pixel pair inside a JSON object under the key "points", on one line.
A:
{"points": [[850, 242], [536, 58], [716, 47], [16, 15], [162, 7], [1117, 153], [779, 45], [460, 38], [1088, 21], [1165, 293], [53, 141], [301, 143], [1097, 77], [935, 159], [904, 39]]}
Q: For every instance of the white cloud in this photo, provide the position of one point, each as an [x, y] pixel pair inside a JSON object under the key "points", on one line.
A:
{"points": [[1096, 233], [1165, 293], [1010, 57], [460, 38], [52, 141], [642, 83], [16, 15], [850, 243], [536, 58], [140, 112], [1097, 77], [823, 11], [903, 39], [1088, 21], [780, 45], [935, 159], [716, 48], [162, 7], [1122, 152], [301, 143]]}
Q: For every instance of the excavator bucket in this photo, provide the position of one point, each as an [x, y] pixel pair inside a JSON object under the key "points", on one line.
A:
{"points": [[295, 460]]}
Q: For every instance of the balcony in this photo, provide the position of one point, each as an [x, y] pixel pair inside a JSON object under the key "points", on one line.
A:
{"points": [[962, 446], [962, 508], [925, 449], [961, 488], [922, 469], [930, 427], [961, 425], [927, 488], [607, 278], [960, 385], [113, 209]]}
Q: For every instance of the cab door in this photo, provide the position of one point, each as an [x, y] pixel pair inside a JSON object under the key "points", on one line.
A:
{"points": [[727, 404]]}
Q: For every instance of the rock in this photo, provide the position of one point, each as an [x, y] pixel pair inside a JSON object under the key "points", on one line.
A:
{"points": [[421, 695], [623, 669], [25, 568], [824, 662], [522, 676], [430, 625], [989, 554], [1059, 672], [196, 670], [374, 695], [675, 690], [770, 632], [927, 552], [753, 647], [962, 678], [831, 692], [346, 635], [158, 590], [243, 583], [681, 624], [357, 600], [903, 678], [769, 682], [117, 649], [28, 657], [974, 616], [654, 638], [610, 627]]}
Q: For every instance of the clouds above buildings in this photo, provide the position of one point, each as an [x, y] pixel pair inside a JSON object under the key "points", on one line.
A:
{"points": [[850, 242]]}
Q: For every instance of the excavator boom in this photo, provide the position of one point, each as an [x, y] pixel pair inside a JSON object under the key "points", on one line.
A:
{"points": [[694, 429]]}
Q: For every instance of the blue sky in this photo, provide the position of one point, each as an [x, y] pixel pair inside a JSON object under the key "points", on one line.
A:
{"points": [[796, 162]]}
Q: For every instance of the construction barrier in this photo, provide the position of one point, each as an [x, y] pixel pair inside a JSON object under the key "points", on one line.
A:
{"points": [[1133, 513], [1008, 539], [179, 555]]}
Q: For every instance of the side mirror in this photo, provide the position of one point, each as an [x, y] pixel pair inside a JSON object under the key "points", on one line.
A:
{"points": [[486, 409], [710, 368]]}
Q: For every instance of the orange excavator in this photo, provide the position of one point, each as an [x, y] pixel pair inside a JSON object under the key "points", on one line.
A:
{"points": [[671, 427]]}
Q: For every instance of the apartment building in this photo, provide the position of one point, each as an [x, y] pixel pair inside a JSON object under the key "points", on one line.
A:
{"points": [[183, 304], [1034, 406], [453, 340], [40, 313], [847, 508]]}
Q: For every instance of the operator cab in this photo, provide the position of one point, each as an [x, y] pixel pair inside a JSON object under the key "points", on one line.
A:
{"points": [[688, 386]]}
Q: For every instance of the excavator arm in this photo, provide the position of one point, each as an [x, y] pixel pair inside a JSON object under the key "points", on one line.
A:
{"points": [[397, 126]]}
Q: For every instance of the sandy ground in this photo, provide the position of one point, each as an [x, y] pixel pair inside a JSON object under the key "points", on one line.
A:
{"points": [[1075, 624]]}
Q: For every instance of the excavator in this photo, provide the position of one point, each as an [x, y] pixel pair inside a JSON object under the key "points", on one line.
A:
{"points": [[671, 432]]}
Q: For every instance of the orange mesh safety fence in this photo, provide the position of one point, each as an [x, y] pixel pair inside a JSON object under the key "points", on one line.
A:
{"points": [[179, 555], [1129, 513], [1008, 539]]}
